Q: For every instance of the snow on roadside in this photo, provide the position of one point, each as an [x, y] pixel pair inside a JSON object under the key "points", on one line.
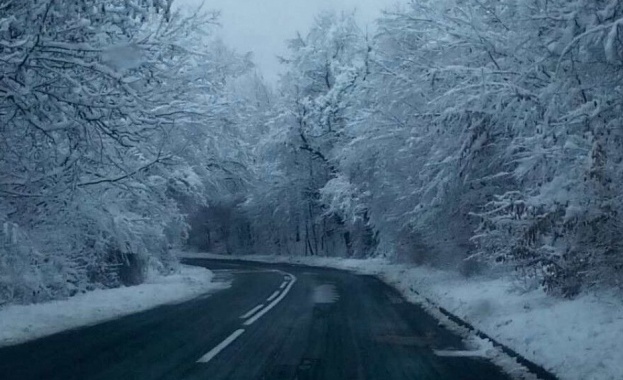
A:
{"points": [[20, 323], [579, 339]]}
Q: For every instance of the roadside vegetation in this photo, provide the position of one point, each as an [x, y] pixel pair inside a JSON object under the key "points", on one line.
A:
{"points": [[477, 136]]}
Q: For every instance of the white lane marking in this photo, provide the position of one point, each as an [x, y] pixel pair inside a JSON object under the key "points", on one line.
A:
{"points": [[283, 295], [252, 311], [460, 353], [273, 296], [283, 285], [216, 350]]}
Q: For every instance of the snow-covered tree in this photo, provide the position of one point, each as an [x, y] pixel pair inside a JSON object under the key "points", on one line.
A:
{"points": [[95, 98], [465, 131], [307, 129]]}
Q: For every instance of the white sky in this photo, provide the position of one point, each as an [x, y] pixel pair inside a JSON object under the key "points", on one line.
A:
{"points": [[262, 26]]}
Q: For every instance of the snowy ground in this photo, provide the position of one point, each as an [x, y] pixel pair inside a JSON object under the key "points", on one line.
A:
{"points": [[19, 323], [580, 339]]}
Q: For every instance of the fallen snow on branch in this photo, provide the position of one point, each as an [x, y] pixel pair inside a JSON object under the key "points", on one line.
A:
{"points": [[579, 339], [20, 323]]}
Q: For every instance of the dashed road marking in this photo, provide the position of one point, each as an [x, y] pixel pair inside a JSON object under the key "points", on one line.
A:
{"points": [[221, 346], [274, 303], [460, 353], [252, 311], [253, 315], [273, 296]]}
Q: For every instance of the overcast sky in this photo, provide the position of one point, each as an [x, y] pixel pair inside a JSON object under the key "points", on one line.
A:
{"points": [[262, 26]]}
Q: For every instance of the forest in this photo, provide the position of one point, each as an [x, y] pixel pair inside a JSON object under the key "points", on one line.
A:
{"points": [[476, 136]]}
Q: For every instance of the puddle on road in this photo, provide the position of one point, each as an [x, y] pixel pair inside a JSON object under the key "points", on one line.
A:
{"points": [[326, 293]]}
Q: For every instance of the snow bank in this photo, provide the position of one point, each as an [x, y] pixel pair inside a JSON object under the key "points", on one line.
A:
{"points": [[580, 339], [20, 323]]}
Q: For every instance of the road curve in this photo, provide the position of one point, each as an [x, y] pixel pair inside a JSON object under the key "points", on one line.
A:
{"points": [[276, 322]]}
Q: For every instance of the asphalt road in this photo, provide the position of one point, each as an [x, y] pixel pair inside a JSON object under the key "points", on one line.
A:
{"points": [[274, 322]]}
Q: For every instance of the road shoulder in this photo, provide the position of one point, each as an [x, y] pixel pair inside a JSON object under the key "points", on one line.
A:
{"points": [[22, 323]]}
